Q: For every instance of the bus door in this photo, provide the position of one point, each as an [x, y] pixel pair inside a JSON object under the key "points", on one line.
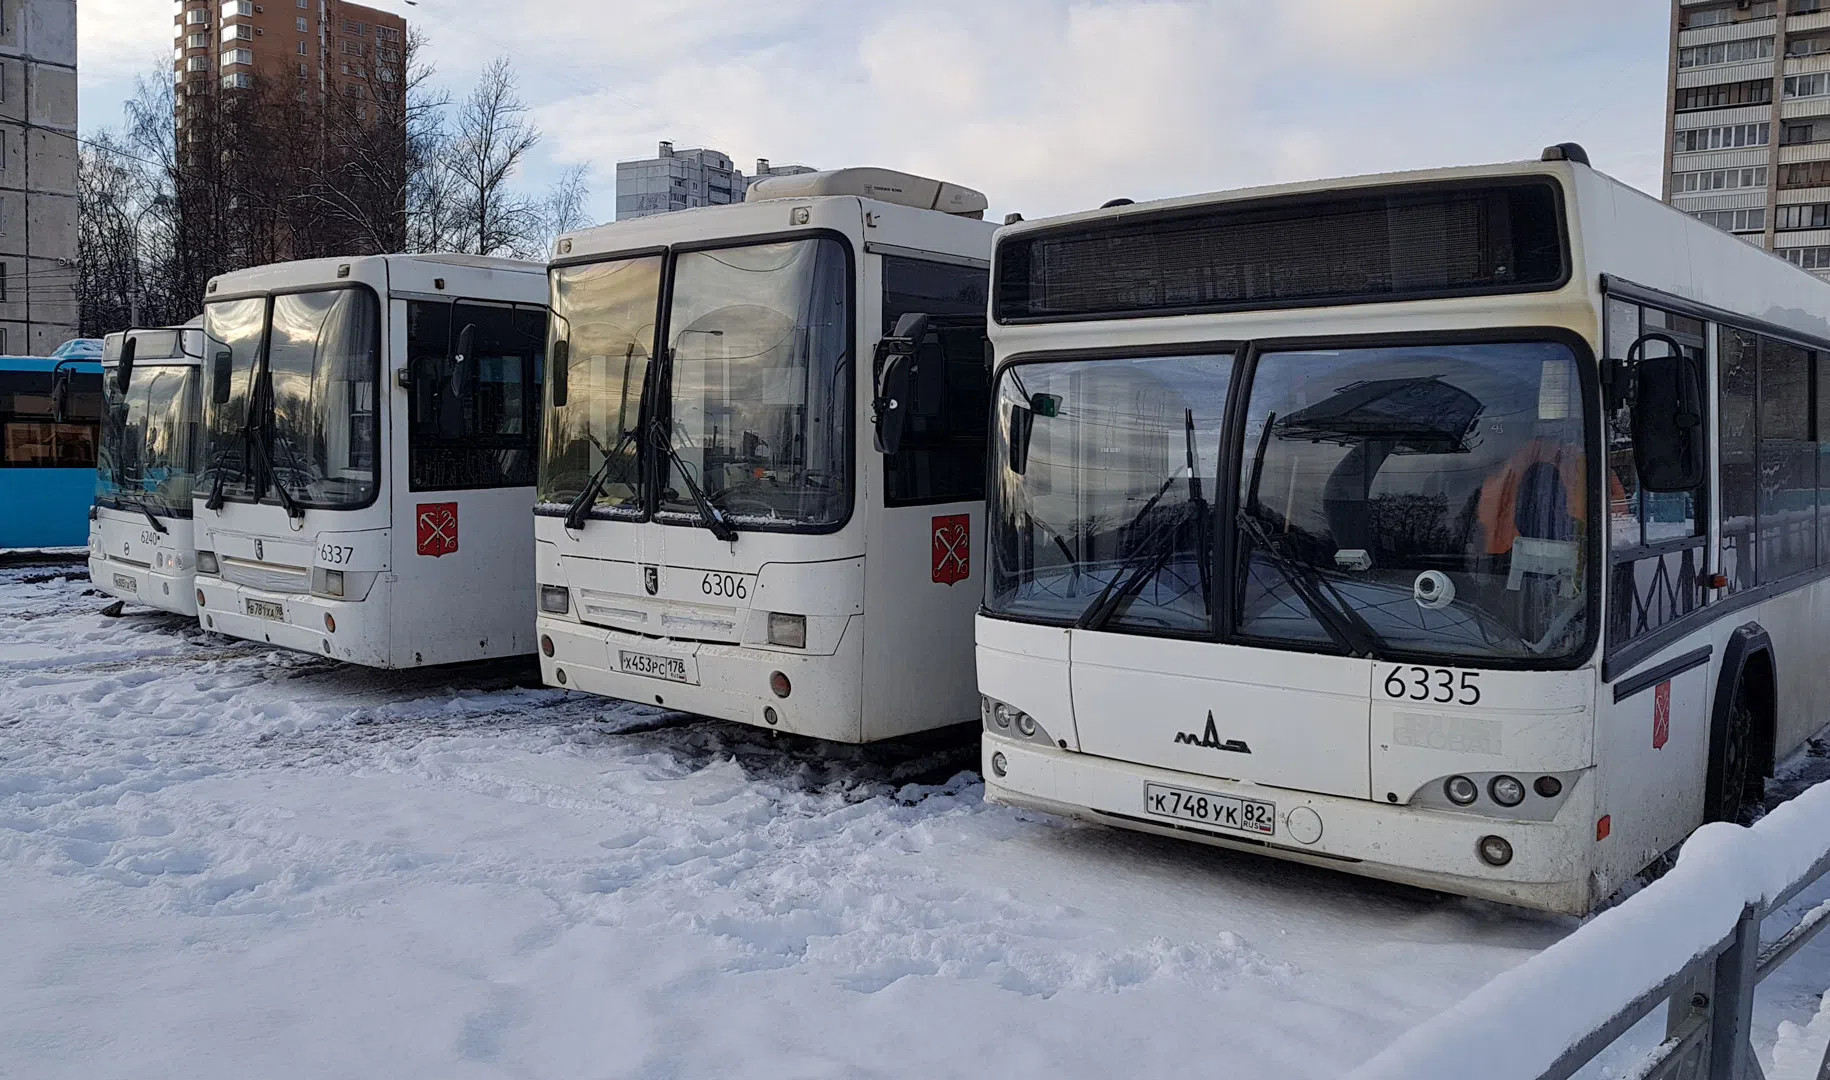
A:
{"points": [[923, 572]]}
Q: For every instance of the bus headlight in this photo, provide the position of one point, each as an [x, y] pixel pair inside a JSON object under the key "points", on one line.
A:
{"points": [[1460, 790], [555, 599], [1506, 790], [207, 564], [327, 582], [789, 631]]}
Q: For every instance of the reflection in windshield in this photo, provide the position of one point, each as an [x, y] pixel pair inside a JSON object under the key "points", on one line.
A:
{"points": [[1112, 509], [605, 314], [1424, 499], [1439, 493], [302, 426], [760, 377], [149, 440], [323, 360], [231, 350]]}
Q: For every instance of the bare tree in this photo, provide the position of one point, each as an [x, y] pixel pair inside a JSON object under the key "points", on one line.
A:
{"points": [[490, 139], [565, 209]]}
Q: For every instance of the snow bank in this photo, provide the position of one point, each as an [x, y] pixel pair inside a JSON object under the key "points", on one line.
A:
{"points": [[1520, 1023]]}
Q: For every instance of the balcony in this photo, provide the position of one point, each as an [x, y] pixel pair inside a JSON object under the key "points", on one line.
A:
{"points": [[1710, 74], [1709, 35], [1733, 114], [1798, 24], [1815, 151]]}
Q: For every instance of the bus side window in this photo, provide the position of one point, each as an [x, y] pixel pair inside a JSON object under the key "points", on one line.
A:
{"points": [[1656, 539], [31, 438], [482, 434], [942, 455]]}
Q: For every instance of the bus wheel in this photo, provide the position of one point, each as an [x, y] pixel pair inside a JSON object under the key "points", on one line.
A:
{"points": [[1737, 756]]}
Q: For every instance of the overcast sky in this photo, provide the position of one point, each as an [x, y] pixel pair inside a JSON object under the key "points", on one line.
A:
{"points": [[1045, 105]]}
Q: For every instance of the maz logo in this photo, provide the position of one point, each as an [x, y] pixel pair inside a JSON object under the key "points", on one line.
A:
{"points": [[1210, 739]]}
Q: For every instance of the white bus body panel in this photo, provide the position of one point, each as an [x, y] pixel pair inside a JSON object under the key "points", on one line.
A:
{"points": [[421, 609], [131, 561], [889, 649], [1109, 710]]}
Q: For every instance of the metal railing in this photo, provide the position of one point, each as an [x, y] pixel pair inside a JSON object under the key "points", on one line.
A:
{"points": [[1690, 943]]}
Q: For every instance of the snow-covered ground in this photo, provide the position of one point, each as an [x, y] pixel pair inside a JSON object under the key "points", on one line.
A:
{"points": [[219, 860]]}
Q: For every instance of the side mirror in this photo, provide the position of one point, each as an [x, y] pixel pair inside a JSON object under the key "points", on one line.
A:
{"points": [[60, 393], [222, 366], [1023, 425], [1669, 445], [124, 374], [895, 372], [557, 368], [463, 365]]}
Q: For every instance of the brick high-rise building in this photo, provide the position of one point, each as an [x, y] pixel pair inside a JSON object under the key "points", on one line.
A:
{"points": [[1747, 137], [321, 46]]}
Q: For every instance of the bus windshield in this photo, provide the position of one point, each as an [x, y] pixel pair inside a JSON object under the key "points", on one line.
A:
{"points": [[748, 415], [298, 423], [149, 441], [759, 341], [1422, 499]]}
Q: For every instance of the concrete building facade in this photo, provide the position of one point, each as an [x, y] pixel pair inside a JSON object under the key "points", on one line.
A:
{"points": [[38, 166], [681, 179], [1747, 138]]}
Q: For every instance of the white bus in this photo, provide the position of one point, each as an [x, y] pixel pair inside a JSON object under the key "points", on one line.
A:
{"points": [[140, 543], [1463, 528], [369, 454], [711, 480]]}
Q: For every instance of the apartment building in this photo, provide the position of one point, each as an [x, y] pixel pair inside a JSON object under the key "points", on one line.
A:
{"points": [[38, 166], [1747, 145], [310, 46], [681, 179]]}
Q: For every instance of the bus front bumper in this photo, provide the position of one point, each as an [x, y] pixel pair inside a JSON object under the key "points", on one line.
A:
{"points": [[728, 682], [1426, 848], [299, 621], [170, 590]]}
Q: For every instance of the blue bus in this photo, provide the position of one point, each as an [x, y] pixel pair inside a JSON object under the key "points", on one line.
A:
{"points": [[50, 420]]}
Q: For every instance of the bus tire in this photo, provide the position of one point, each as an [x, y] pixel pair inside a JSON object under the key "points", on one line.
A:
{"points": [[1741, 726]]}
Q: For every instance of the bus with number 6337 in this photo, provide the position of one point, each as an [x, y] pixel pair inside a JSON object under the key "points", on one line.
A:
{"points": [[1468, 528], [368, 457]]}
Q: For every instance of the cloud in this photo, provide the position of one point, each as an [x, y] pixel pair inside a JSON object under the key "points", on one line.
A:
{"points": [[1046, 105]]}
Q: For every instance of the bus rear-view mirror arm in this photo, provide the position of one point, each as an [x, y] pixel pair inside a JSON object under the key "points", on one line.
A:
{"points": [[895, 365]]}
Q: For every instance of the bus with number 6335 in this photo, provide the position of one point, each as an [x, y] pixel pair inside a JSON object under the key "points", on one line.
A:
{"points": [[1468, 528]]}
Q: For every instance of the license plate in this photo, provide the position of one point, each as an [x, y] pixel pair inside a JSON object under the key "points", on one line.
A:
{"points": [[1206, 808], [122, 581], [671, 668], [263, 609]]}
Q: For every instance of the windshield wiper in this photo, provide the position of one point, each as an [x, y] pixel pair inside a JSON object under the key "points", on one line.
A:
{"points": [[711, 516], [1338, 618], [580, 510], [158, 526], [287, 499], [1135, 571], [215, 500]]}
